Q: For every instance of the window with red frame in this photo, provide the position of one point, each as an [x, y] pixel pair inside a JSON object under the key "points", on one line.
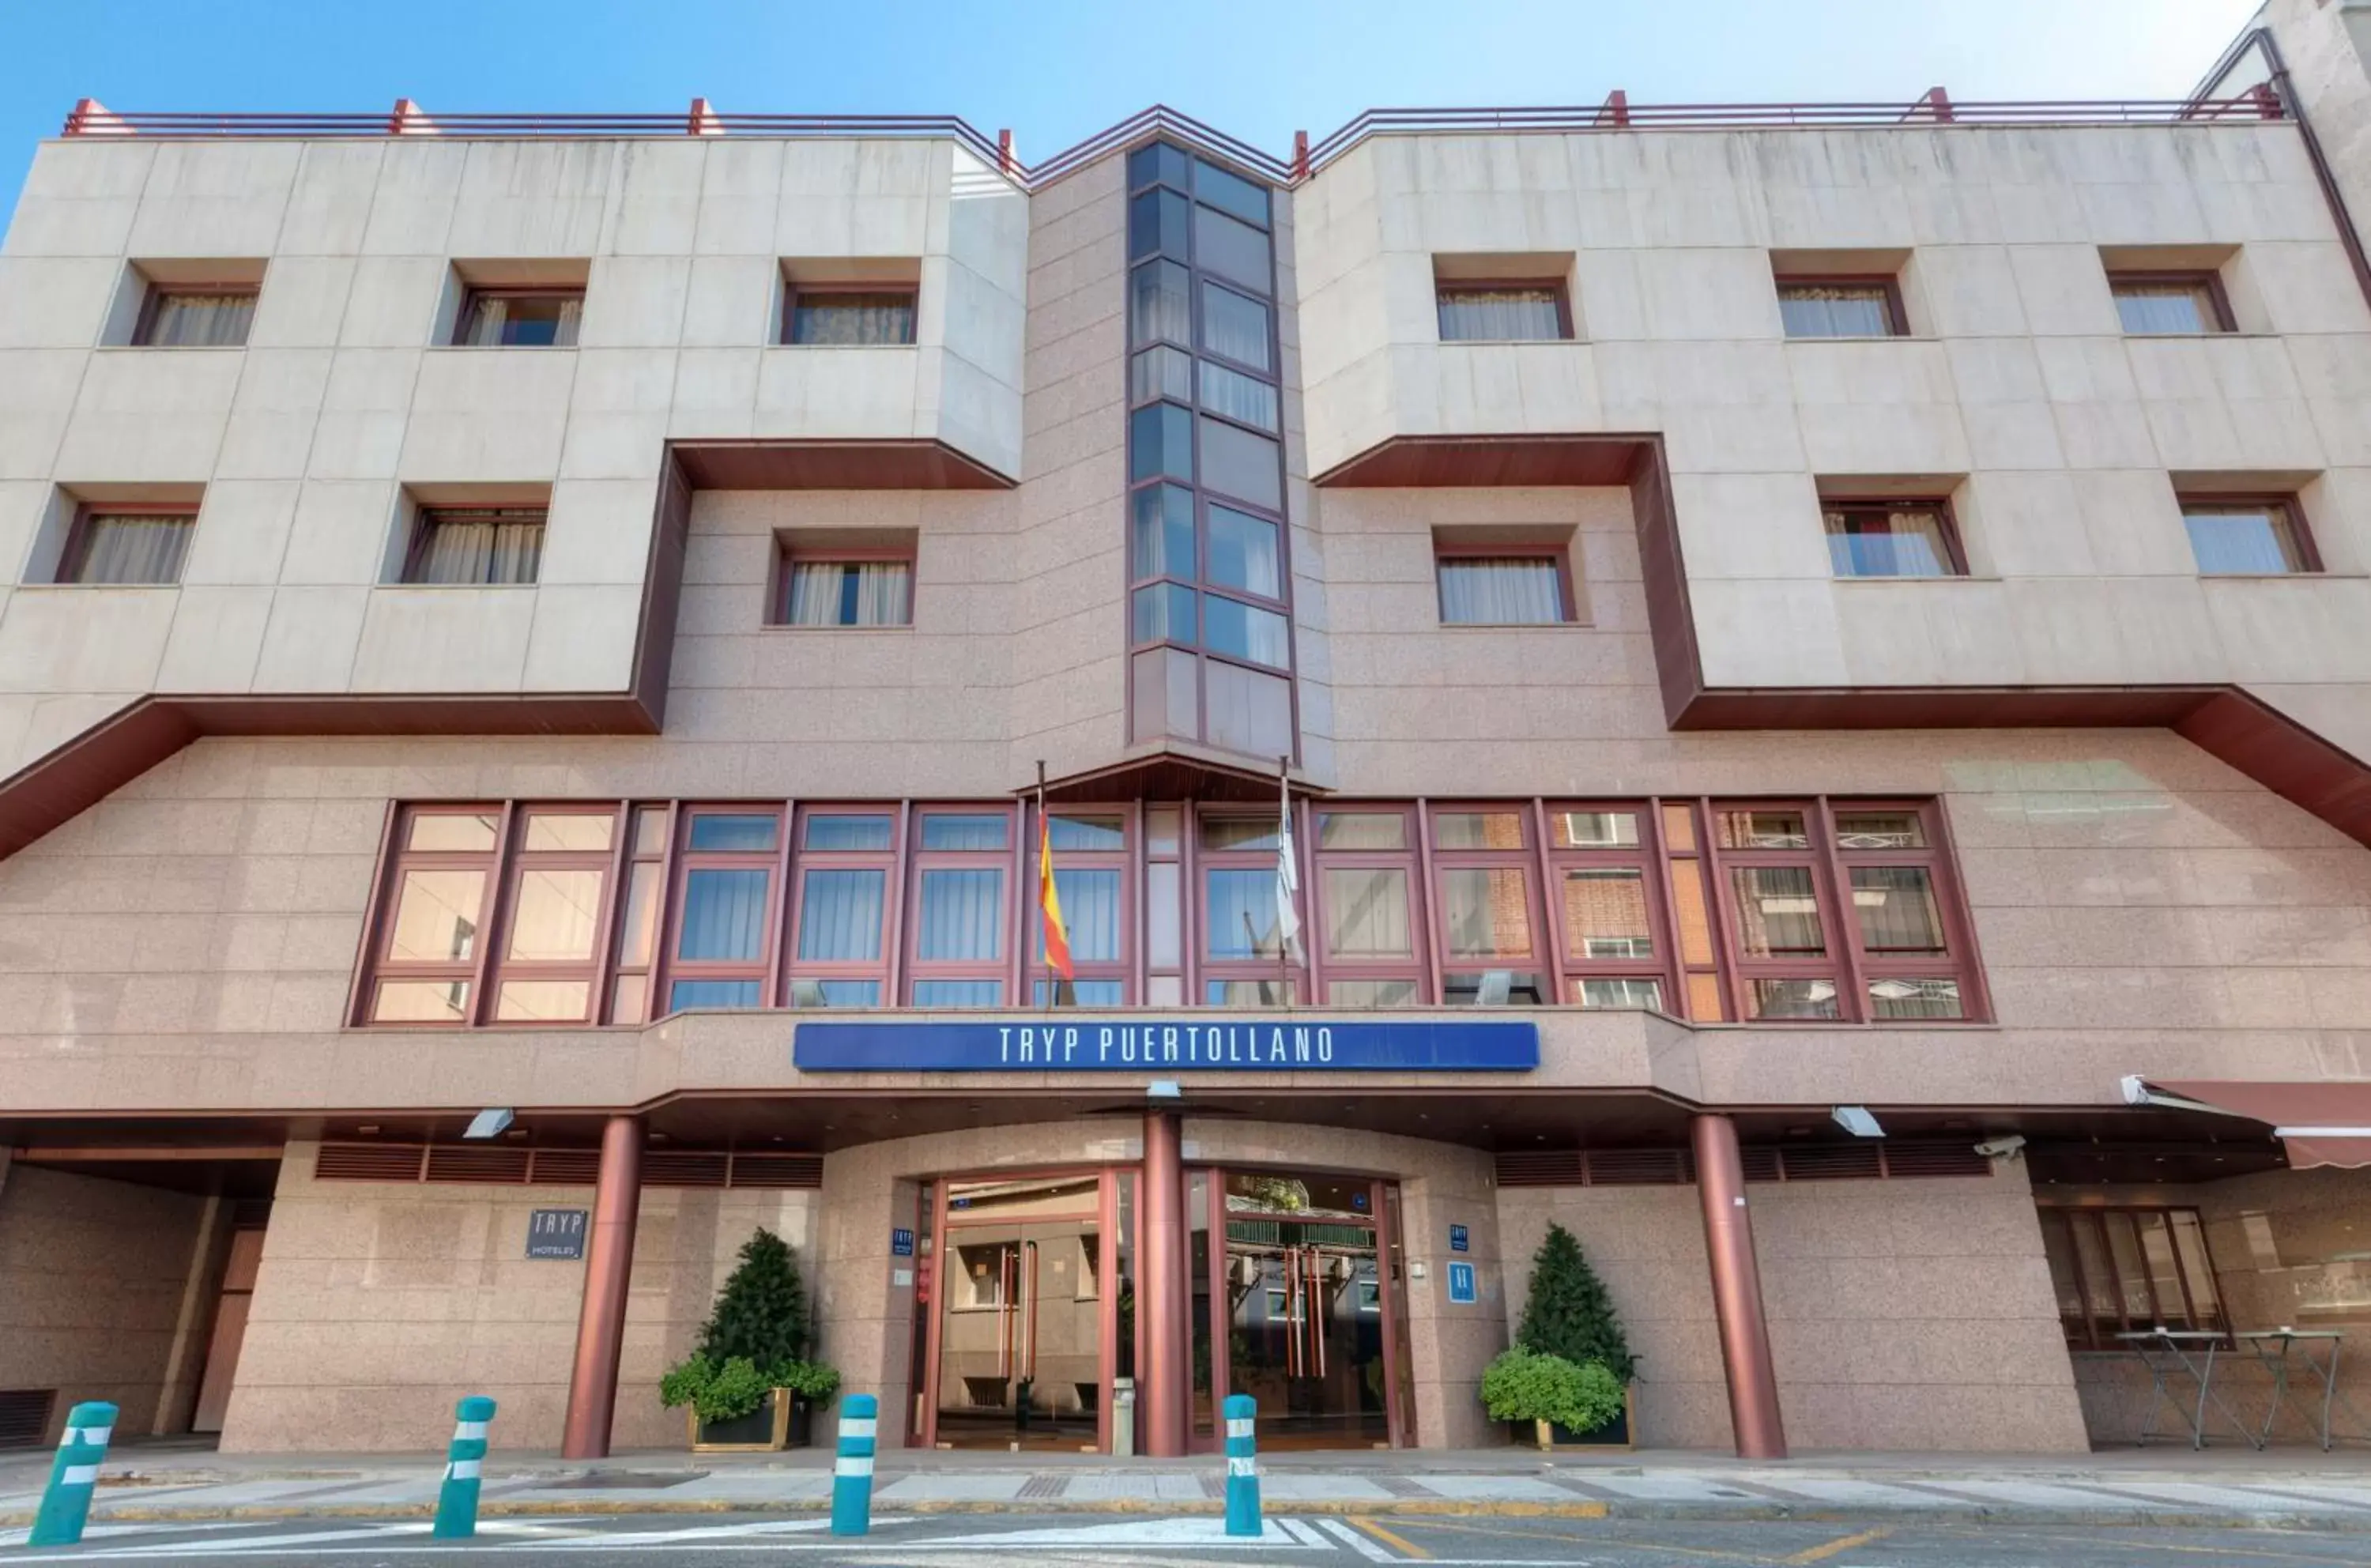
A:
{"points": [[841, 914], [1489, 921], [724, 910], [639, 917], [963, 908], [556, 912], [430, 945], [1244, 963], [1366, 892], [1607, 896], [1841, 911], [1091, 865]]}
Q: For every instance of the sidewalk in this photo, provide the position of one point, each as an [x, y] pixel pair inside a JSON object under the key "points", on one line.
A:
{"points": [[2295, 1488]]}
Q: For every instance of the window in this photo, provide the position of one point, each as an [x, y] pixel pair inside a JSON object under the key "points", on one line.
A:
{"points": [[1366, 888], [1091, 864], [433, 912], [724, 920], [638, 919], [1483, 869], [1503, 589], [2178, 303], [851, 318], [961, 909], [519, 318], [1891, 539], [838, 954], [558, 892], [1502, 313], [123, 546], [195, 318], [1841, 307], [848, 593], [1609, 904], [2126, 1270], [2238, 536], [1244, 958], [480, 546]]}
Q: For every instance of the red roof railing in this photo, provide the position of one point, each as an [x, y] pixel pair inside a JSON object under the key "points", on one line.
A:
{"points": [[1616, 114]]}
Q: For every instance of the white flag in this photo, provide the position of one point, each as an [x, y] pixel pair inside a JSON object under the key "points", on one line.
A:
{"points": [[1288, 881]]}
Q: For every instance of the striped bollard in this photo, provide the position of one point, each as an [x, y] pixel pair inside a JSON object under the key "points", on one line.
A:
{"points": [[1242, 1468], [851, 1473], [65, 1506], [456, 1499]]}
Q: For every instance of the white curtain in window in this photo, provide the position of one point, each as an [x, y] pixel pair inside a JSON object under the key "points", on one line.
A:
{"points": [[201, 321], [2244, 540], [1499, 315], [487, 314], [963, 916], [463, 548], [2164, 308], [126, 548], [571, 315], [1835, 310], [1501, 591], [853, 321], [846, 592], [839, 915]]}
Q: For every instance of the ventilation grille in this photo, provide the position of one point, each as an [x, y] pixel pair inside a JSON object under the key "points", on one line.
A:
{"points": [[25, 1416], [499, 1165], [1870, 1160]]}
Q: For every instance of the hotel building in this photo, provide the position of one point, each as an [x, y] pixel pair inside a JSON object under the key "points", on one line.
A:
{"points": [[1820, 658]]}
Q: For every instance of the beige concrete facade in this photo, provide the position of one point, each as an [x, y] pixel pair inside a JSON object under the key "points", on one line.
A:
{"points": [[183, 959]]}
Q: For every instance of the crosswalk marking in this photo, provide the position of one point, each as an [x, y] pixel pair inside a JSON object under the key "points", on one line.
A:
{"points": [[1370, 1550]]}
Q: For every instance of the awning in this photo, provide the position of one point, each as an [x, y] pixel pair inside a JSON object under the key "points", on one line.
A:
{"points": [[2319, 1120]]}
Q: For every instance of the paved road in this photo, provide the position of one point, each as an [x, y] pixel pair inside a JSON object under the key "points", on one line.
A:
{"points": [[1321, 1541]]}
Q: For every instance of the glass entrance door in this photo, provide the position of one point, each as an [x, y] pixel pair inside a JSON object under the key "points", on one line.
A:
{"points": [[1021, 1350], [1307, 1326]]}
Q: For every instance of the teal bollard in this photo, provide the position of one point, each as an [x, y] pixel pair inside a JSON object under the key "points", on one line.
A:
{"points": [[852, 1471], [456, 1499], [66, 1505], [1242, 1468]]}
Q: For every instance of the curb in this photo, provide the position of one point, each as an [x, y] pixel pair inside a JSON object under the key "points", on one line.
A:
{"points": [[2125, 1518]]}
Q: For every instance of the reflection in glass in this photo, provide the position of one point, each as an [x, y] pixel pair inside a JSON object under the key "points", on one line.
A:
{"points": [[724, 833], [1161, 443], [1605, 913], [1895, 906], [839, 831], [1366, 912], [1484, 913], [1777, 913], [1245, 631], [1235, 327], [436, 917], [724, 916], [421, 1002], [1243, 553], [556, 916], [1164, 532]]}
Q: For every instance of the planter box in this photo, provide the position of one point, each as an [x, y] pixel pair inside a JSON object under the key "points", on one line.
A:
{"points": [[1619, 1433], [783, 1420]]}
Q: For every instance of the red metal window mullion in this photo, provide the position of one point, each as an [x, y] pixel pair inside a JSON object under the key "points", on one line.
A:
{"points": [[1958, 919], [1435, 946], [1189, 878], [363, 986], [1819, 822], [1024, 889], [1313, 939], [1138, 884], [1551, 907], [665, 921], [782, 898], [1717, 910], [893, 938], [490, 925], [613, 906]]}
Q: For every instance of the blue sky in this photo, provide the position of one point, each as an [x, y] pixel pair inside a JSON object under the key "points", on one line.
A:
{"points": [[1058, 72]]}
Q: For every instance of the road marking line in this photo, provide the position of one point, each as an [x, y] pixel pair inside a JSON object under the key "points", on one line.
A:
{"points": [[1438, 1524], [1842, 1543], [1392, 1538], [1354, 1540], [1305, 1534]]}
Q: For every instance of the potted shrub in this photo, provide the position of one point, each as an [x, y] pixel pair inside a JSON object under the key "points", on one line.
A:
{"points": [[1568, 1315], [747, 1385], [1550, 1393]]}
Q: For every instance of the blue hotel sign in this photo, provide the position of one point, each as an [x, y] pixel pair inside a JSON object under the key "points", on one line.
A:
{"points": [[1268, 1043]]}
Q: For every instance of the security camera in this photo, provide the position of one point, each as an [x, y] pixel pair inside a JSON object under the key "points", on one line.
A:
{"points": [[2001, 1148]]}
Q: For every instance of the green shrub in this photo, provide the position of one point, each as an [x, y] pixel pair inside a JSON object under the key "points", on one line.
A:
{"points": [[761, 1313], [1523, 1385], [716, 1390], [811, 1380]]}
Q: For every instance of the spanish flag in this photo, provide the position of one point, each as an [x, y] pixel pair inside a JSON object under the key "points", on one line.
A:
{"points": [[1049, 902]]}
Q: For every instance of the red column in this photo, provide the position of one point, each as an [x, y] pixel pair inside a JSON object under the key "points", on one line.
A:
{"points": [[1737, 1291], [609, 1263], [1160, 1399]]}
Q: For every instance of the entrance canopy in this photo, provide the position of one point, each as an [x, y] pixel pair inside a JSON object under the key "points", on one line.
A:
{"points": [[2320, 1122]]}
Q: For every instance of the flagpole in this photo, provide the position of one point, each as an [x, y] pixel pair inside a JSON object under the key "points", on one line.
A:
{"points": [[1286, 846], [1053, 981]]}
